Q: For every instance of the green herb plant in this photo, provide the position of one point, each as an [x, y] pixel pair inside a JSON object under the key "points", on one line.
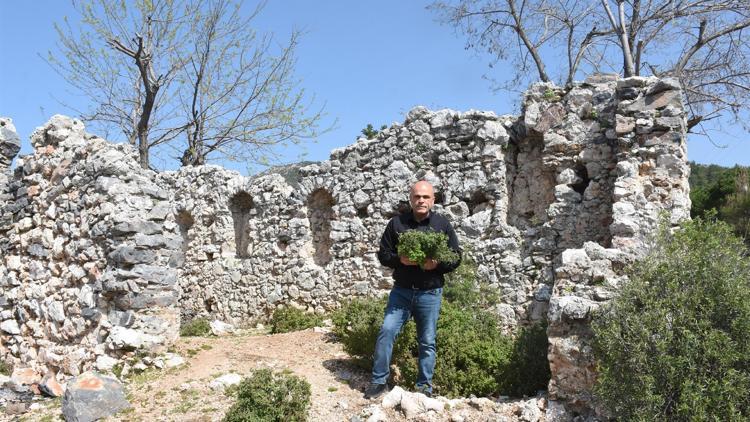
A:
{"points": [[419, 246], [288, 318]]}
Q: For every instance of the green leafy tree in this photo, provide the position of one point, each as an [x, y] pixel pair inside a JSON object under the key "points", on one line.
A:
{"points": [[710, 185], [736, 210], [716, 189], [121, 59], [370, 132], [673, 344], [238, 94]]}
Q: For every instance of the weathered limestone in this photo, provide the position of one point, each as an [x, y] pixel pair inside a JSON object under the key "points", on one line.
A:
{"points": [[10, 144], [91, 397], [648, 176], [102, 259], [315, 245], [74, 270]]}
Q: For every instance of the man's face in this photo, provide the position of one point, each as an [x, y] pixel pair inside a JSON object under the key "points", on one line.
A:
{"points": [[421, 198]]}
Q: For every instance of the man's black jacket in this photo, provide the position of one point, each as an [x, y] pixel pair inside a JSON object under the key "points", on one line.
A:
{"points": [[412, 276]]}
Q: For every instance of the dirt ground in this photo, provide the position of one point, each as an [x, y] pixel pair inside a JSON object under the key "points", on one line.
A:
{"points": [[183, 393]]}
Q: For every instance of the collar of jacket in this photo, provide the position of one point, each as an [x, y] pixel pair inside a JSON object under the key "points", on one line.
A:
{"points": [[424, 220]]}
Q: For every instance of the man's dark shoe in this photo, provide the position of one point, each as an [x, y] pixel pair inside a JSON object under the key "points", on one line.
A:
{"points": [[373, 391], [423, 389]]}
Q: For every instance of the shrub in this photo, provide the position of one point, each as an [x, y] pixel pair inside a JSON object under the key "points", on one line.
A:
{"points": [[710, 186], [357, 324], [462, 288], [288, 319], [673, 345], [198, 327], [736, 212], [473, 354], [269, 397], [529, 369], [370, 132], [5, 369], [473, 357]]}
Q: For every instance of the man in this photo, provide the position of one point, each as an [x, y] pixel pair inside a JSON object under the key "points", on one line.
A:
{"points": [[417, 292]]}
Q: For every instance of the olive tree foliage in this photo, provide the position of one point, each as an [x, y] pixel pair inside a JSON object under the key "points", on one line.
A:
{"points": [[190, 75], [673, 344], [703, 43]]}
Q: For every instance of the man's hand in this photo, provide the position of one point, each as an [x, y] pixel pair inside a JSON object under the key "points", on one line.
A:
{"points": [[429, 264], [407, 261]]}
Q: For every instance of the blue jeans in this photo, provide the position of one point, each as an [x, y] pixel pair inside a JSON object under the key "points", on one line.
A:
{"points": [[424, 306]]}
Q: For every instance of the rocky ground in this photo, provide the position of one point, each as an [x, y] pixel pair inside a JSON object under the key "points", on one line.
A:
{"points": [[189, 392]]}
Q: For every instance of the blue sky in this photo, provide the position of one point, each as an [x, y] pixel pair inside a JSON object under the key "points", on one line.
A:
{"points": [[368, 61]]}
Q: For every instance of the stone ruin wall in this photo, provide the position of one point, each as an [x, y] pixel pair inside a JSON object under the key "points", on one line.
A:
{"points": [[101, 258], [89, 256]]}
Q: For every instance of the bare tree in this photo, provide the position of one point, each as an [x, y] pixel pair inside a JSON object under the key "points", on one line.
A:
{"points": [[704, 43], [178, 72], [242, 98], [122, 60]]}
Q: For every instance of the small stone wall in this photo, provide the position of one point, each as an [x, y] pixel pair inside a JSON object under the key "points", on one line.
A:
{"points": [[102, 258]]}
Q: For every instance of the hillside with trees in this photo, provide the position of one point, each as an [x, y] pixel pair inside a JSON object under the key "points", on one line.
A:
{"points": [[724, 191]]}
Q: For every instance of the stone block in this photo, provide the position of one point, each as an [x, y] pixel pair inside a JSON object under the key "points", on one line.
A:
{"points": [[10, 326], [91, 396], [129, 255]]}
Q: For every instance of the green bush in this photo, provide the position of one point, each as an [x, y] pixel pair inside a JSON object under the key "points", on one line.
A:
{"points": [[710, 185], [357, 324], [462, 289], [529, 369], [198, 327], [473, 354], [288, 319], [269, 397], [674, 344], [370, 132], [715, 188], [473, 357], [736, 209], [5, 369]]}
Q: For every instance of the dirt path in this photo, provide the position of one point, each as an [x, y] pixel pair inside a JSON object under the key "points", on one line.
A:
{"points": [[184, 393], [335, 383]]}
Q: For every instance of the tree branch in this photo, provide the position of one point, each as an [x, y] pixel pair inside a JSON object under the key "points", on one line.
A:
{"points": [[529, 46], [703, 40]]}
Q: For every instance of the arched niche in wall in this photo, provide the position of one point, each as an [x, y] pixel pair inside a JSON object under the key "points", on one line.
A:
{"points": [[185, 222], [240, 205], [320, 213]]}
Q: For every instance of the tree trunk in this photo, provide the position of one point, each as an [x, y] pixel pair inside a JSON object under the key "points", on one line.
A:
{"points": [[148, 107], [193, 154], [143, 150]]}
